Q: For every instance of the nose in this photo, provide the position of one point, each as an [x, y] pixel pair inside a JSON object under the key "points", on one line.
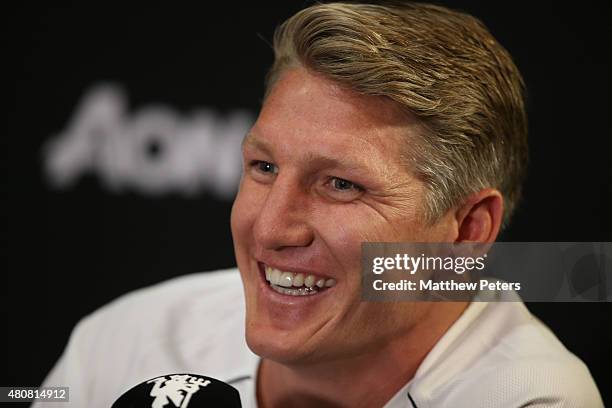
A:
{"points": [[283, 221]]}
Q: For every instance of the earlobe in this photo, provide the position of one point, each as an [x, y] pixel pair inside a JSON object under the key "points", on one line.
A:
{"points": [[479, 219]]}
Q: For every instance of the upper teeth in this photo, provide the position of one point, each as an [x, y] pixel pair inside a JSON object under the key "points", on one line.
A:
{"points": [[290, 279]]}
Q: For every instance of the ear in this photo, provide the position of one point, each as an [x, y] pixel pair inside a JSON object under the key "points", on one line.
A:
{"points": [[479, 218]]}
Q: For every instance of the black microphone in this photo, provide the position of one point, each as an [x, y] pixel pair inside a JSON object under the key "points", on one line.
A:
{"points": [[180, 391]]}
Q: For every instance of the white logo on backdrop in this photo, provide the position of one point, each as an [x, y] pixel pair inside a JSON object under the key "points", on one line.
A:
{"points": [[153, 150], [178, 389]]}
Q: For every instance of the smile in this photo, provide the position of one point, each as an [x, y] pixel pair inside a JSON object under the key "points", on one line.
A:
{"points": [[296, 284]]}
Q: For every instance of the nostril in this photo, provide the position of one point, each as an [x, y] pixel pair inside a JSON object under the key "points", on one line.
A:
{"points": [[281, 234]]}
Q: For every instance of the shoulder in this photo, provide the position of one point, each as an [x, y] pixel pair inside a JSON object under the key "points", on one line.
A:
{"points": [[213, 285], [506, 357], [178, 297], [564, 381], [530, 366], [186, 324]]}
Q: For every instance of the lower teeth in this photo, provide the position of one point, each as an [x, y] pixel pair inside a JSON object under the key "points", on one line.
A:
{"points": [[294, 291]]}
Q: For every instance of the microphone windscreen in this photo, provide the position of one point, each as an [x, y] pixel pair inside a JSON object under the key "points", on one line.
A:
{"points": [[180, 391]]}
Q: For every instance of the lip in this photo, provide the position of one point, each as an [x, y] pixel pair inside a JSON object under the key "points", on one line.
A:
{"points": [[277, 297], [291, 268]]}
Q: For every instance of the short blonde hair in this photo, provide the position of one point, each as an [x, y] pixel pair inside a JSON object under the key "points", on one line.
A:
{"points": [[442, 66]]}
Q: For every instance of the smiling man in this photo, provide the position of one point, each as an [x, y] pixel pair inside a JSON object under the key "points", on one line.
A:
{"points": [[401, 123], [323, 173]]}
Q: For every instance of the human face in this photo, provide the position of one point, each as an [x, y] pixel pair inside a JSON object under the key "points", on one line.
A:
{"points": [[323, 172]]}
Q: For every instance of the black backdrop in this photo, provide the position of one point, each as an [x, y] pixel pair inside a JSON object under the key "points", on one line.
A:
{"points": [[68, 251]]}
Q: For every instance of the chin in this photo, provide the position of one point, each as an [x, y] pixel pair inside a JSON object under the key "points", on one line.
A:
{"points": [[281, 348]]}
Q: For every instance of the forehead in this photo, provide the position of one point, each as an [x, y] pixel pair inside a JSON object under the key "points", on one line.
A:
{"points": [[315, 112]]}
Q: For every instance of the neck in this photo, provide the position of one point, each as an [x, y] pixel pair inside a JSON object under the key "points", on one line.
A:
{"points": [[372, 377]]}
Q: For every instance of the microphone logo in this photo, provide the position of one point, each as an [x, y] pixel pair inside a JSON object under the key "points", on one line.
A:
{"points": [[178, 389]]}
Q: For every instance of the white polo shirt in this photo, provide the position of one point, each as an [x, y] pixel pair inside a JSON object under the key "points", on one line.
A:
{"points": [[497, 354]]}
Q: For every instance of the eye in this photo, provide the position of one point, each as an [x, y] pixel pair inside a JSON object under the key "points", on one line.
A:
{"points": [[262, 171], [264, 167], [343, 190], [344, 185]]}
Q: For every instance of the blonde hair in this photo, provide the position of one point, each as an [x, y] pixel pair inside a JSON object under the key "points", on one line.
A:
{"points": [[442, 66]]}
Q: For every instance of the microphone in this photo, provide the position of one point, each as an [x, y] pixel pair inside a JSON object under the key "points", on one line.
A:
{"points": [[180, 391]]}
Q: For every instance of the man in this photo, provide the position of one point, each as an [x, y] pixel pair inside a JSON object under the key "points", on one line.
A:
{"points": [[399, 124]]}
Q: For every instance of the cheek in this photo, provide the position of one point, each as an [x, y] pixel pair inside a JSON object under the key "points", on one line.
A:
{"points": [[343, 231], [244, 213]]}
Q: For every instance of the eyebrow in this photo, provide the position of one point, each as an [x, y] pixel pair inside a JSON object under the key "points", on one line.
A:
{"points": [[253, 141], [318, 160]]}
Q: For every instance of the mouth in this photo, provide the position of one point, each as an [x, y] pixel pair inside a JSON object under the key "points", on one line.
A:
{"points": [[294, 283]]}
